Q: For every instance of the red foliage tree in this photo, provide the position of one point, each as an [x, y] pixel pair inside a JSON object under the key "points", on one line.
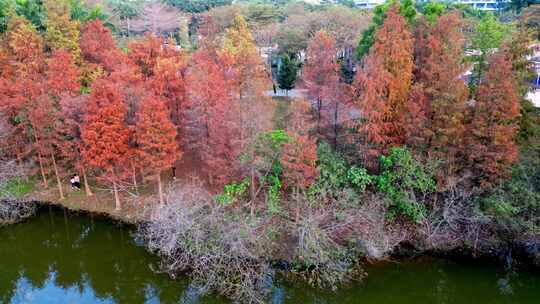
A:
{"points": [[156, 138], [383, 87], [105, 134], [299, 160], [163, 67], [61, 79], [493, 129], [72, 109], [321, 72], [440, 76], [98, 46], [22, 87], [210, 125]]}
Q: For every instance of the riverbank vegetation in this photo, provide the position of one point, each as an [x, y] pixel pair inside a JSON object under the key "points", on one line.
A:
{"points": [[407, 125]]}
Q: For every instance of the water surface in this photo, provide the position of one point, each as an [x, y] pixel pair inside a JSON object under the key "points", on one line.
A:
{"points": [[59, 258]]}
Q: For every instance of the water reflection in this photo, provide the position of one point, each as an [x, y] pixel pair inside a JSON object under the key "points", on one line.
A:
{"points": [[62, 258]]}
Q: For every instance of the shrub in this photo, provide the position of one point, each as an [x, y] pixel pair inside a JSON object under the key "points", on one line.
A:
{"points": [[319, 259], [233, 192], [402, 180], [359, 178], [515, 204], [222, 251]]}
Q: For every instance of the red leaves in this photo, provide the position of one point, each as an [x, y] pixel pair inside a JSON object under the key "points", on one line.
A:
{"points": [[299, 162], [98, 46], [493, 128], [211, 128], [320, 72], [104, 132], [62, 75], [384, 85], [155, 135]]}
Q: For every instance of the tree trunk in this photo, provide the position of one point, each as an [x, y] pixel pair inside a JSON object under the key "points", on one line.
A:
{"points": [[252, 191], [58, 181], [160, 189], [134, 175], [118, 205], [86, 185], [128, 27], [297, 214], [20, 164], [319, 108], [336, 113], [42, 170]]}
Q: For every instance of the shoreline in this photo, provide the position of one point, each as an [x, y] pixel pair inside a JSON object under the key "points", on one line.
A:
{"points": [[517, 253]]}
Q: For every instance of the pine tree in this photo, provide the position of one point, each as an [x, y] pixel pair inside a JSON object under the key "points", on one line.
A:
{"points": [[287, 74], [518, 52], [156, 138]]}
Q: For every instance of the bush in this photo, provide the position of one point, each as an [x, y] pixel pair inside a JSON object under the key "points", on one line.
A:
{"points": [[222, 251], [359, 178], [319, 259], [233, 192], [12, 185], [337, 178], [403, 180], [515, 204]]}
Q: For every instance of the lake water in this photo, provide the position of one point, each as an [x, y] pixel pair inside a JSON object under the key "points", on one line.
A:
{"points": [[59, 258]]}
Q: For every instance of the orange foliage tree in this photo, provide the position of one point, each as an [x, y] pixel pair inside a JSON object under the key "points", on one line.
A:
{"points": [[155, 135], [321, 72], [210, 123], [105, 134], [493, 129], [383, 87], [439, 74], [299, 162]]}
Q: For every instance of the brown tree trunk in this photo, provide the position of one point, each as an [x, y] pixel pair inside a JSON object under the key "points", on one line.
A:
{"points": [[21, 166], [160, 189], [297, 213], [252, 191], [134, 175], [319, 109], [86, 185], [42, 170], [118, 205], [58, 181], [336, 113]]}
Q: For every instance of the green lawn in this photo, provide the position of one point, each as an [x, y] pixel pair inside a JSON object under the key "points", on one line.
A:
{"points": [[17, 188]]}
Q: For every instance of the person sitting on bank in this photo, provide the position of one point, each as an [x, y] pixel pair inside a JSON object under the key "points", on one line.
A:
{"points": [[75, 182]]}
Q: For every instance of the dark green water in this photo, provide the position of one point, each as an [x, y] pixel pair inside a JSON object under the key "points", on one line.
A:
{"points": [[59, 258]]}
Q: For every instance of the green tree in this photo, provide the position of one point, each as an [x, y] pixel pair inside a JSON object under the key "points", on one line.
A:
{"points": [[61, 32], [197, 6], [33, 11], [287, 74], [488, 36], [126, 10], [433, 10], [406, 9]]}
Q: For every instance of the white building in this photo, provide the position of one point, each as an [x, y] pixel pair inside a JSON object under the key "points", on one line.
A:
{"points": [[485, 5]]}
